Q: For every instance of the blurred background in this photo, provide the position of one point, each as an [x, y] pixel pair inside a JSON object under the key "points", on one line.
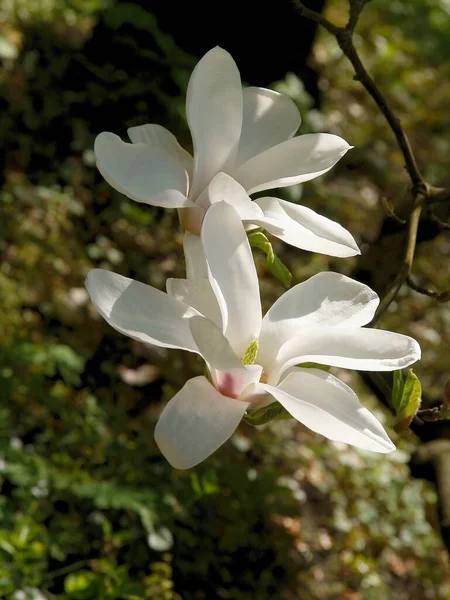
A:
{"points": [[89, 509]]}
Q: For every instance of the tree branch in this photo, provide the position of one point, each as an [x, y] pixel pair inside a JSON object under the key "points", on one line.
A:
{"points": [[439, 296], [344, 38]]}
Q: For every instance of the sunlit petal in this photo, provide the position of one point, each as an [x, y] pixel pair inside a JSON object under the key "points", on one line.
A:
{"points": [[214, 114], [327, 406], [141, 172], [269, 118], [294, 161], [140, 311], [196, 422]]}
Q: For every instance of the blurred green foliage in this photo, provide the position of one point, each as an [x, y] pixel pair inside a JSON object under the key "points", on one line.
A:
{"points": [[89, 509]]}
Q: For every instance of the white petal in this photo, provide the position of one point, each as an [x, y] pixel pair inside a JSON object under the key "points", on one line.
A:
{"points": [[323, 301], [197, 293], [269, 118], [196, 267], [224, 188], [213, 345], [329, 407], [196, 422], [232, 268], [299, 159], [141, 172], [359, 349], [163, 140], [140, 311], [304, 228], [214, 114]]}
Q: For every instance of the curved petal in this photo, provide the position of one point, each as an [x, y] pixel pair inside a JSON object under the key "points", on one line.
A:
{"points": [[224, 188], [299, 159], [304, 228], [197, 293], [325, 300], [141, 172], [269, 118], [349, 348], [196, 422], [327, 406], [231, 265], [214, 115], [140, 311], [163, 140]]}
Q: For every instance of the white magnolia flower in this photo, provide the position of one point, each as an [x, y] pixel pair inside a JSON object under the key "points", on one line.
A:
{"points": [[216, 312], [247, 134]]}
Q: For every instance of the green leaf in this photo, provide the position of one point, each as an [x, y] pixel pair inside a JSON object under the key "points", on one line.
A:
{"points": [[257, 239], [397, 390], [82, 585], [407, 403], [266, 414]]}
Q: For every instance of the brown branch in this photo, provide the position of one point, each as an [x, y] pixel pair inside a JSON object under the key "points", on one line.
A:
{"points": [[439, 296], [343, 37], [356, 7], [405, 269], [438, 195], [306, 12], [435, 453], [443, 226]]}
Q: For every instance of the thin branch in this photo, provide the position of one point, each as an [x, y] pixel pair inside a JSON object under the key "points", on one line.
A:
{"points": [[438, 195], [389, 209], [405, 269], [443, 225], [439, 296], [343, 37], [356, 7], [304, 11]]}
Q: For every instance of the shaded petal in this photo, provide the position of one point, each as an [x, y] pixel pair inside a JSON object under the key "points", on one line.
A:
{"points": [[214, 114], [196, 422], [163, 140], [224, 188], [323, 301], [140, 311], [358, 349], [197, 293], [229, 375], [304, 228], [213, 345], [196, 267], [269, 118], [299, 159], [231, 265], [327, 406], [141, 172]]}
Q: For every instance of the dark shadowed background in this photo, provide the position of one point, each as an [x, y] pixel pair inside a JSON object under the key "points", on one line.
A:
{"points": [[89, 509]]}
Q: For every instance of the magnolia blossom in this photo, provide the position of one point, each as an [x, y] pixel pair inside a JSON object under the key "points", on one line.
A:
{"points": [[216, 313], [246, 133]]}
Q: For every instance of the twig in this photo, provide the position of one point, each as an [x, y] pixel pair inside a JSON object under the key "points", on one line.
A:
{"points": [[343, 37], [389, 208], [443, 226], [356, 7], [438, 195], [420, 189], [439, 296], [405, 268], [304, 11]]}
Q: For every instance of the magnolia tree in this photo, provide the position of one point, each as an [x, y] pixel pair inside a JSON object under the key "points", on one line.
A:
{"points": [[256, 367]]}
